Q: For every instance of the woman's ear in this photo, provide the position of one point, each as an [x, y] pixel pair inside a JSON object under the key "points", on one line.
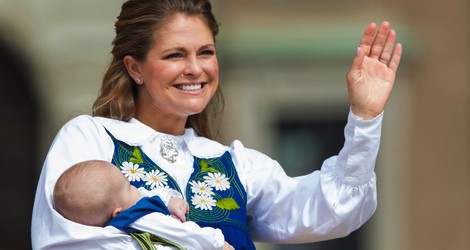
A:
{"points": [[133, 68], [116, 212]]}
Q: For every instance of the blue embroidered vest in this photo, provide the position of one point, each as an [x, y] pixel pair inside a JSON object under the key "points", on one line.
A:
{"points": [[214, 193]]}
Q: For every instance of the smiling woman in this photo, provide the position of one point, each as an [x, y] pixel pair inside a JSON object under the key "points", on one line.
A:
{"points": [[178, 76], [186, 59], [151, 120]]}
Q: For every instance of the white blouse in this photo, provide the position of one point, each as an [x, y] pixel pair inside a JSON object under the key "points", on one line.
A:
{"points": [[325, 204]]}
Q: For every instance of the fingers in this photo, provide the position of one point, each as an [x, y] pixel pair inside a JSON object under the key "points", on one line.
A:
{"points": [[179, 215], [396, 58], [373, 45], [174, 216], [179, 211], [184, 209], [388, 49], [368, 38], [380, 45], [380, 40]]}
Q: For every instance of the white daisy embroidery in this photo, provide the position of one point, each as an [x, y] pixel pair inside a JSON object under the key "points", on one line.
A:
{"points": [[217, 180], [132, 171], [203, 201], [199, 187], [156, 179]]}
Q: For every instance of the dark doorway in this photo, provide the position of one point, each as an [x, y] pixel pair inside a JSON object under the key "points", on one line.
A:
{"points": [[302, 146], [18, 148]]}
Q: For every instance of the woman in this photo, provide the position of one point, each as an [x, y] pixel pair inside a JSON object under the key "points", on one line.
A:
{"points": [[152, 120]]}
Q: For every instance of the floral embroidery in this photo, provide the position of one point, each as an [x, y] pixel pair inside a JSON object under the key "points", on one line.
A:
{"points": [[217, 180], [202, 189], [156, 179], [203, 201], [132, 171], [199, 187], [208, 206]]}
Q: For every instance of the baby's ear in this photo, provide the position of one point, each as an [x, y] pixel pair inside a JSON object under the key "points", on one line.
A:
{"points": [[116, 212]]}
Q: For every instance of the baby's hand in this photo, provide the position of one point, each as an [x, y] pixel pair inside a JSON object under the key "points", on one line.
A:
{"points": [[178, 208], [228, 246]]}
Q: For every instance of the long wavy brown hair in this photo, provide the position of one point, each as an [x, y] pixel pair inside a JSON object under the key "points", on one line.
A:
{"points": [[135, 29]]}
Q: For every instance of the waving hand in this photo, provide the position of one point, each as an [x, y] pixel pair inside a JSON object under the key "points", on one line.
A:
{"points": [[372, 73]]}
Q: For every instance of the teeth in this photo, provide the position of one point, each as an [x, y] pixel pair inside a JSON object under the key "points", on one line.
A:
{"points": [[190, 87]]}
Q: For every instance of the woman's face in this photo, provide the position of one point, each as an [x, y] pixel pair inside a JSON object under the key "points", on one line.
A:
{"points": [[180, 73]]}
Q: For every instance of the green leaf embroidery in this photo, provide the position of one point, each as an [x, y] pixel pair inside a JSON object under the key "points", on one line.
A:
{"points": [[137, 156], [205, 167], [227, 204]]}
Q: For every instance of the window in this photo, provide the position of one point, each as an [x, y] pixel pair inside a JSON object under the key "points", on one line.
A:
{"points": [[301, 148]]}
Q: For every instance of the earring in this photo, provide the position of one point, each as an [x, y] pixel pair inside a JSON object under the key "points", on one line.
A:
{"points": [[137, 81]]}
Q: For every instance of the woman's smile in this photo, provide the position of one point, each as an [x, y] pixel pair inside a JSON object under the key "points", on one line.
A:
{"points": [[190, 87], [180, 73]]}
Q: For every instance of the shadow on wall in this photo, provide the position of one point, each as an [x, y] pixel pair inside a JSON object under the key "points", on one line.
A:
{"points": [[18, 111]]}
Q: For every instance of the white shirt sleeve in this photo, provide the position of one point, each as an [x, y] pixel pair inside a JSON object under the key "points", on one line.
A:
{"points": [[80, 139], [187, 234], [325, 204]]}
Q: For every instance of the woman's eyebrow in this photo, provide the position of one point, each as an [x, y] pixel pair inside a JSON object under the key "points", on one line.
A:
{"points": [[179, 49]]}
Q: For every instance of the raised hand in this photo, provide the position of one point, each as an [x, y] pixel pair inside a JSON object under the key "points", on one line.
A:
{"points": [[373, 70]]}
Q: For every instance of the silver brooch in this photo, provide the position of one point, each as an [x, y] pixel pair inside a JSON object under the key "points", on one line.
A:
{"points": [[168, 149]]}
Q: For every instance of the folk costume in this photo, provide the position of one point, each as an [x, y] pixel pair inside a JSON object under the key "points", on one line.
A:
{"points": [[236, 189]]}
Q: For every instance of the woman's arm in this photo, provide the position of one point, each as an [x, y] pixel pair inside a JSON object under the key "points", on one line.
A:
{"points": [[78, 140], [325, 204], [186, 234], [342, 196]]}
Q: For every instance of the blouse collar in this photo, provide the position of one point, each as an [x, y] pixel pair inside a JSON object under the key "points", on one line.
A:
{"points": [[136, 133]]}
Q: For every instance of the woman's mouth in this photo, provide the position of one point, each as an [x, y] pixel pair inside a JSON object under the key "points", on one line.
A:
{"points": [[189, 87]]}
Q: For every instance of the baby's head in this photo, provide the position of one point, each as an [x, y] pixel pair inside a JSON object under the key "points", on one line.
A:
{"points": [[93, 192]]}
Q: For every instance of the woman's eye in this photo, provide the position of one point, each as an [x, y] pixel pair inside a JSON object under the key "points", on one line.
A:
{"points": [[174, 56], [207, 52]]}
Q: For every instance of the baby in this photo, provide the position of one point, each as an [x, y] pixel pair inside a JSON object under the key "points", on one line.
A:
{"points": [[95, 193]]}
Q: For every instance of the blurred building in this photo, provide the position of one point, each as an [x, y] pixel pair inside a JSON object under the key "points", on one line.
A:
{"points": [[283, 66]]}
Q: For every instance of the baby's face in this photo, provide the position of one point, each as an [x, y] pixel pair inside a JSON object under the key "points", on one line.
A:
{"points": [[128, 195]]}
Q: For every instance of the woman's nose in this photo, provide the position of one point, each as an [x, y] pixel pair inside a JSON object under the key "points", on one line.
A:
{"points": [[193, 67]]}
